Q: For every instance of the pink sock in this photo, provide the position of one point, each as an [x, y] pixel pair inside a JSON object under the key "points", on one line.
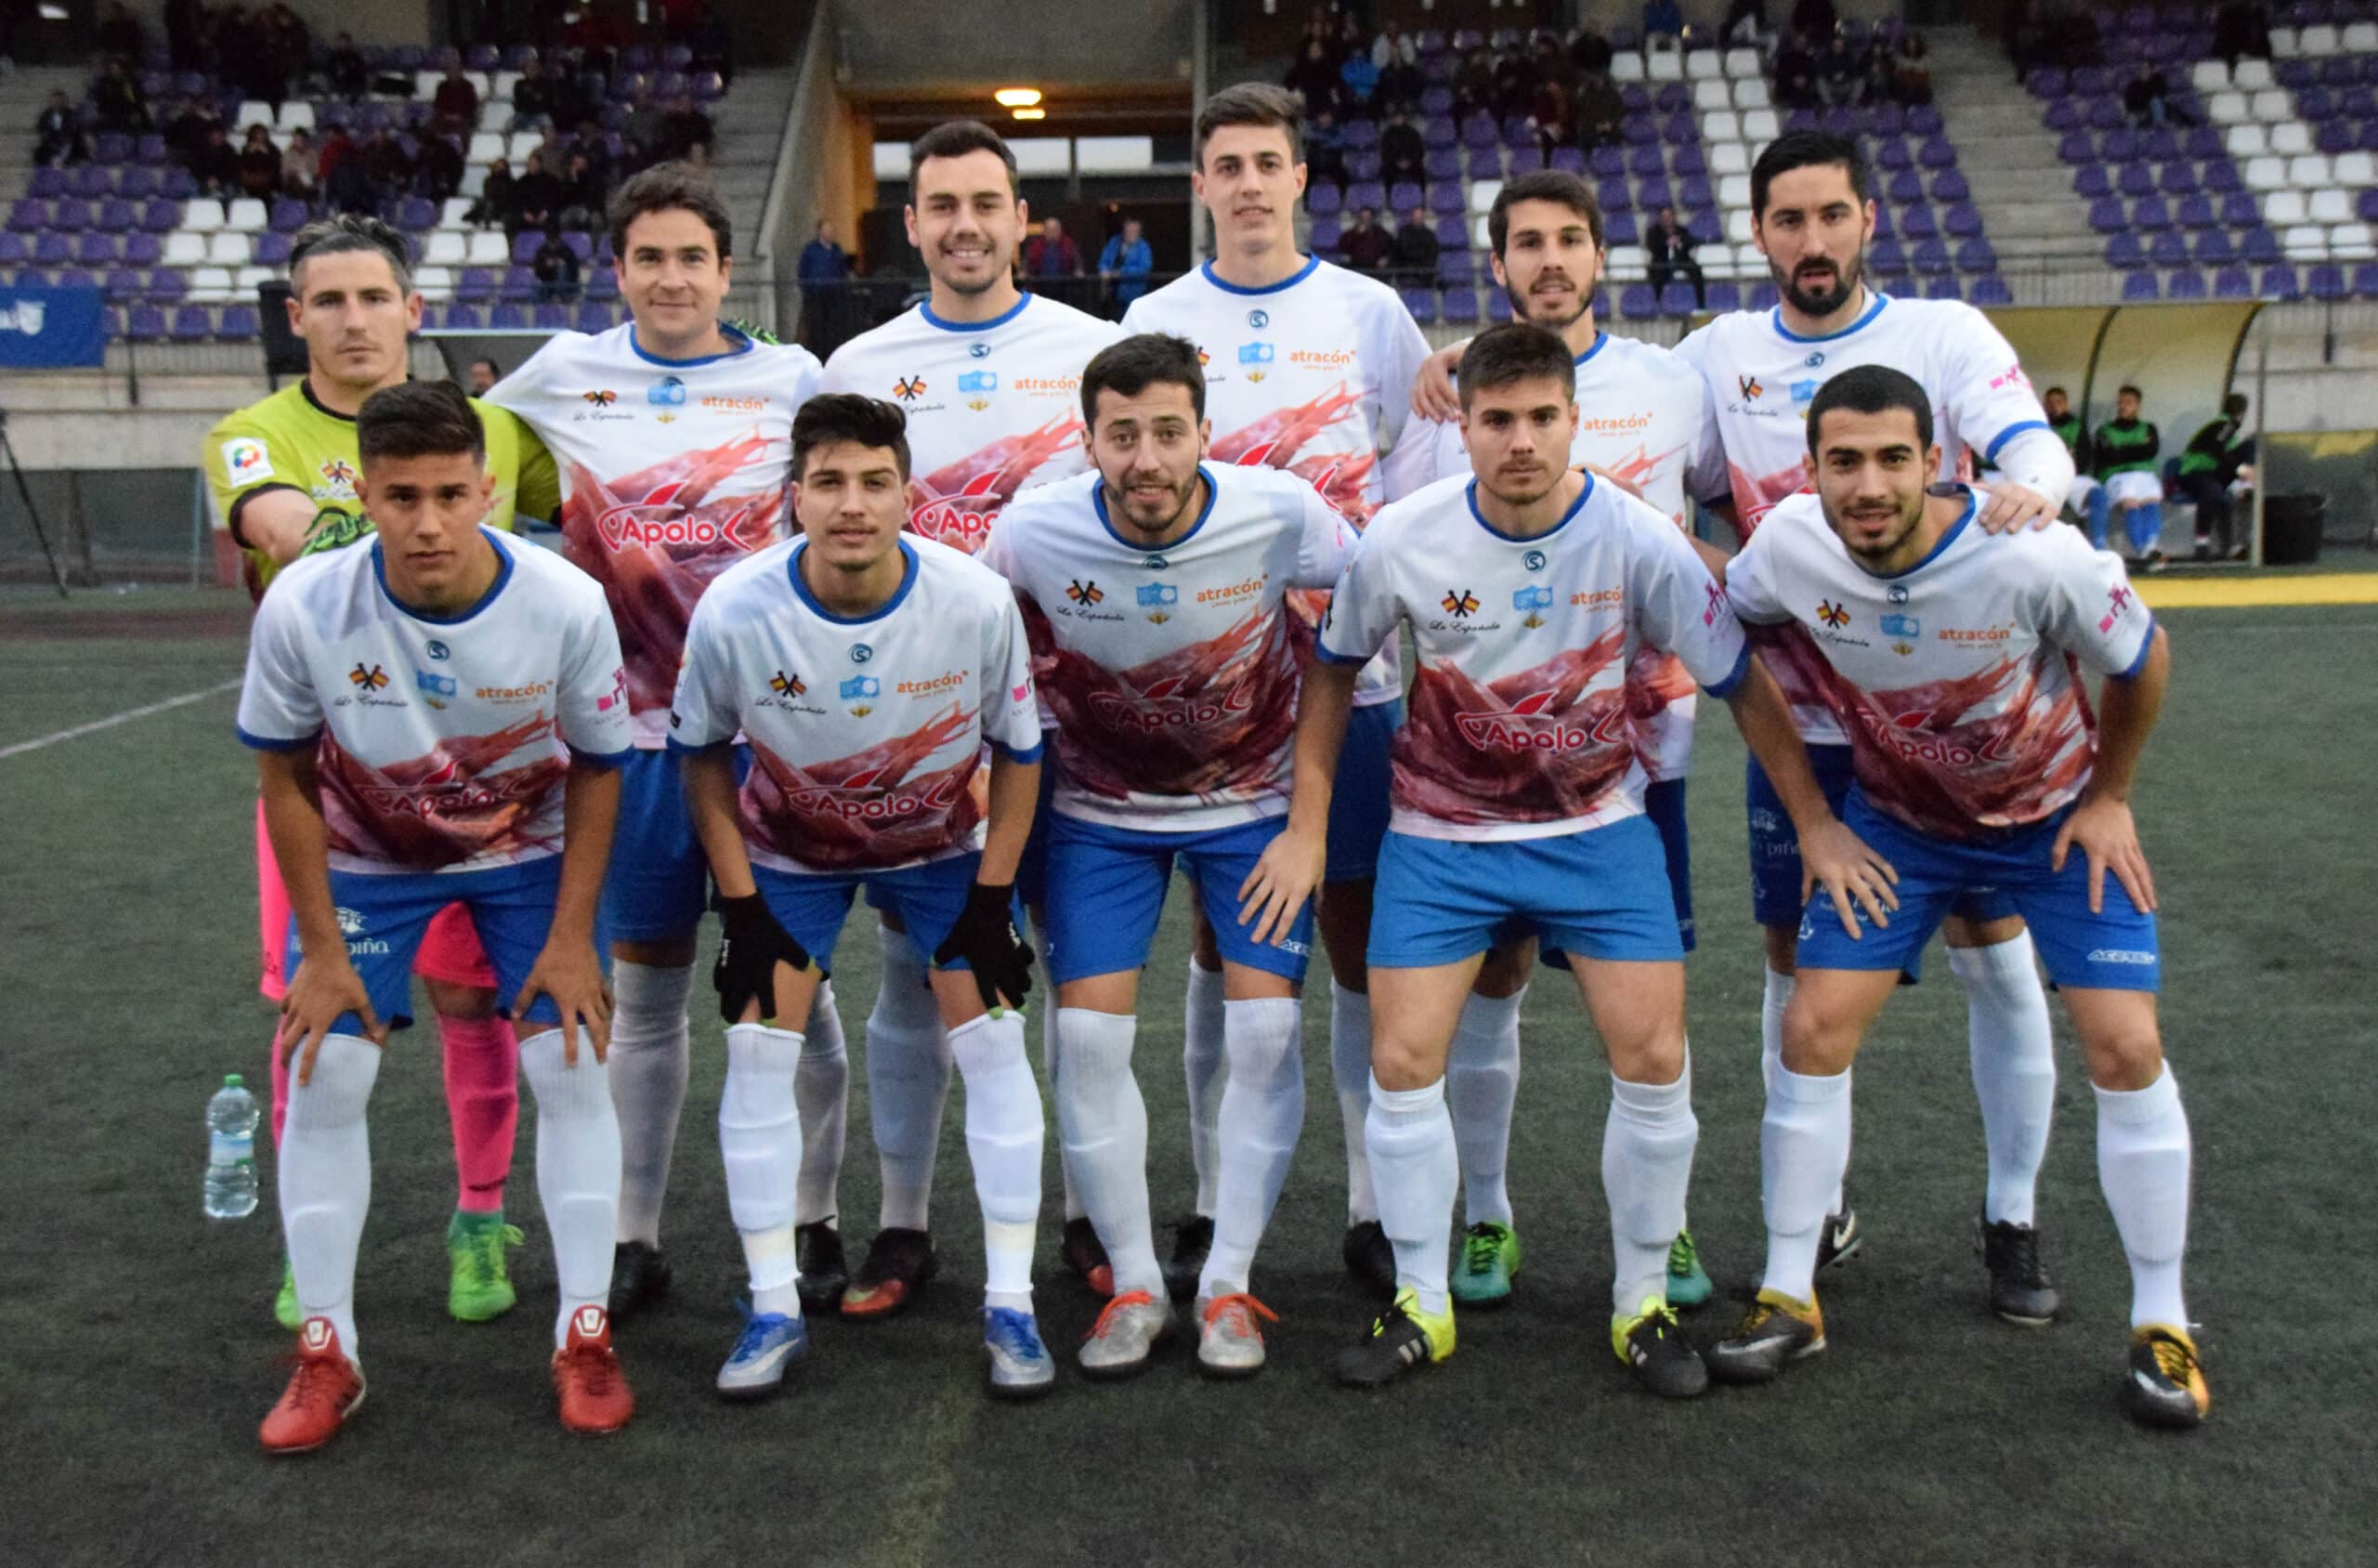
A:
{"points": [[483, 1099]]}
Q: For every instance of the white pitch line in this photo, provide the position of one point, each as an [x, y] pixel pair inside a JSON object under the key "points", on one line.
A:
{"points": [[113, 719]]}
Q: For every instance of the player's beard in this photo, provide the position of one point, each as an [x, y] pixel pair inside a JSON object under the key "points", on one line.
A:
{"points": [[1540, 483], [1520, 308], [1808, 303], [1910, 512], [1178, 497]]}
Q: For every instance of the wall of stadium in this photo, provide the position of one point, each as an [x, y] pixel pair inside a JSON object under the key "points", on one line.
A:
{"points": [[383, 21]]}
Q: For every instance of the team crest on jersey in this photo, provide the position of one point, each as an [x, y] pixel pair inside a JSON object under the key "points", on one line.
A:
{"points": [[1253, 357], [909, 389], [600, 399], [1752, 391], [1533, 560], [1460, 603], [438, 650], [1896, 592], [977, 387], [861, 653], [1534, 597], [1259, 320], [1804, 392], [785, 685], [1157, 599], [372, 679], [1814, 359], [979, 350], [1084, 594], [1832, 614], [1527, 726]]}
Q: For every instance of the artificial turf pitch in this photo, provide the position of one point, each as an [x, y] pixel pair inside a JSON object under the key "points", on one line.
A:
{"points": [[136, 1347]]}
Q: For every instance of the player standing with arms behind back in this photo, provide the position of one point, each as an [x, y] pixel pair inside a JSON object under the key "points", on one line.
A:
{"points": [[988, 377], [1309, 368], [673, 435]]}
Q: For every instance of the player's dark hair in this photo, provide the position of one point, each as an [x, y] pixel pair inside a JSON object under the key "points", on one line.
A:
{"points": [[1544, 185], [670, 188], [350, 232], [1129, 367], [1872, 389], [2057, 391], [955, 138], [491, 364], [2235, 405], [2127, 390], [418, 419], [1250, 103], [1802, 150], [835, 418], [1515, 352]]}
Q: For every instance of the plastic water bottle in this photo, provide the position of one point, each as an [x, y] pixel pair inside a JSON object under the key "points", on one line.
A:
{"points": [[231, 1152]]}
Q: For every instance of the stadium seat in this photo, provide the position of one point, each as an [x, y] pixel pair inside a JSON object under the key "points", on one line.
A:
{"points": [[2209, 75], [185, 250], [2329, 207], [519, 286], [192, 324], [486, 248], [1751, 93], [591, 315], [1721, 125], [2229, 109], [2281, 284], [1931, 258], [2124, 252], [2092, 181], [237, 323], [2266, 174], [167, 285], [208, 284], [247, 215], [2326, 282], [508, 318], [2283, 207], [272, 250], [1712, 93], [2136, 180], [2261, 247], [203, 216], [2273, 105], [2213, 248], [1759, 127], [2352, 242], [2168, 249], [2361, 38], [2305, 242], [1460, 307], [2233, 282], [229, 248], [2365, 281], [2247, 141], [2139, 286]]}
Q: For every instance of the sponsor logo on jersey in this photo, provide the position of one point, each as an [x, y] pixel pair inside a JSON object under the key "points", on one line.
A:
{"points": [[787, 690], [861, 652], [350, 921], [1157, 598], [1752, 391], [978, 381], [656, 523], [1904, 735], [1459, 603], [1896, 592], [600, 399], [1815, 359], [1235, 592], [431, 801], [734, 405], [1021, 690], [1158, 707], [1527, 727], [434, 687], [2011, 376], [1598, 598], [1832, 614], [979, 350], [1804, 392], [1045, 385], [1255, 353], [1258, 320], [1616, 425], [527, 693], [1959, 633], [1533, 560], [1908, 626], [1083, 592], [947, 681], [1532, 598], [438, 650], [340, 476], [1204, 359], [1764, 821], [2118, 597], [909, 389], [246, 460], [1323, 359], [668, 392], [855, 799], [856, 690]]}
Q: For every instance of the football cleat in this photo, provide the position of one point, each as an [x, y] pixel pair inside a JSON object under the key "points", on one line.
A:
{"points": [[818, 1253], [1490, 1256], [1370, 1257], [640, 1276], [1778, 1329], [594, 1394], [285, 1309], [899, 1264], [479, 1287], [1192, 1237], [1687, 1281], [1086, 1255], [1228, 1342], [1654, 1349], [325, 1388], [2019, 1290], [1125, 1335], [1400, 1340], [1021, 1366], [2166, 1383], [770, 1345], [1840, 1240]]}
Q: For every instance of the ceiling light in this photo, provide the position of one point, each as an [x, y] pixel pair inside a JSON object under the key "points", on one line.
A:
{"points": [[1031, 114], [1016, 98]]}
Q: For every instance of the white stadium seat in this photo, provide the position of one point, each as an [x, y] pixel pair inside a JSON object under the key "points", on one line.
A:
{"points": [[210, 286], [486, 248], [504, 82], [2209, 75], [2356, 169], [1729, 158], [474, 181], [185, 249], [1662, 65], [247, 214], [1721, 126], [447, 248], [229, 247], [485, 149], [2283, 207], [2266, 174], [495, 117], [251, 276], [202, 216], [2352, 242], [2362, 38], [1759, 127], [2305, 243], [1482, 193], [1738, 226], [297, 114], [1712, 93], [1478, 239], [2273, 105], [1703, 65], [1751, 93], [2331, 207], [2248, 141], [2310, 172], [2314, 41], [456, 213], [1627, 263], [424, 84], [435, 282], [2251, 75], [2227, 109], [1749, 262], [2290, 138], [2285, 43], [255, 111], [1733, 190], [522, 144], [1626, 68], [1742, 64]]}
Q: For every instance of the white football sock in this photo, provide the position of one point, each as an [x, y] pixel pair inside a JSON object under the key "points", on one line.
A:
{"points": [[1074, 1210], [1804, 1143], [1410, 1138], [760, 1141], [1262, 1113], [1647, 1147], [1004, 1133], [821, 1086], [1481, 1084], [1204, 1060], [1104, 1125], [649, 1055], [908, 1081], [578, 1169], [2143, 1153], [2014, 1068], [326, 1179], [1350, 1071], [1777, 996]]}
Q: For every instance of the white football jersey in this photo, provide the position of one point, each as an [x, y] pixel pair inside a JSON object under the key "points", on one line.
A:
{"points": [[1956, 678], [1173, 671], [442, 742], [865, 732], [1761, 378], [994, 407], [1518, 726], [672, 471], [1313, 374], [1643, 414]]}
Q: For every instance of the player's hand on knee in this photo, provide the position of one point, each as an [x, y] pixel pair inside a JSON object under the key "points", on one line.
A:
{"points": [[320, 993], [2108, 835], [748, 955], [573, 976], [2016, 507], [1276, 890], [1857, 878], [986, 937]]}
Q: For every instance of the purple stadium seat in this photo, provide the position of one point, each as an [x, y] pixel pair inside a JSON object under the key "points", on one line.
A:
{"points": [[1402, 197], [1361, 194], [1961, 221], [29, 217], [1904, 187], [1923, 121], [1452, 232], [123, 286], [52, 250], [192, 324], [1363, 165], [1445, 199], [1800, 120], [1991, 288], [1977, 254], [1645, 163], [1637, 301], [2168, 249], [95, 249], [1840, 119], [1362, 136], [1607, 163], [1639, 131], [2135, 180], [2261, 248], [113, 146], [116, 214], [167, 285], [1930, 258], [1325, 234], [2179, 179], [144, 323], [2092, 181], [1950, 186], [1458, 269], [2123, 250], [2159, 145], [519, 285], [2077, 147], [1706, 227], [1525, 160], [2365, 206], [552, 317], [2150, 214], [1887, 255], [1942, 287], [2326, 282], [2050, 82], [2141, 285], [1478, 133], [1498, 307], [1886, 120], [1442, 164], [237, 324], [508, 317], [1322, 200], [137, 185], [2194, 212], [1654, 194], [1421, 303], [1673, 97], [1677, 299], [179, 185], [2337, 136], [92, 183], [2340, 71], [1893, 154], [1886, 227], [1687, 160], [2064, 114], [271, 250], [143, 250], [1917, 223], [1460, 307], [1693, 190], [2281, 282], [2202, 143], [1438, 131], [2316, 105], [1620, 228], [160, 217], [463, 318], [13, 249], [1898, 285], [2214, 249], [1763, 295], [476, 286], [2365, 280], [48, 184], [2295, 74], [2119, 146], [289, 216], [2105, 114]]}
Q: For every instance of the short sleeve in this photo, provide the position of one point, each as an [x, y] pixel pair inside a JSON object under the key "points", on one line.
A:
{"points": [[1706, 476], [1679, 606], [1418, 457], [703, 714], [835, 375], [1010, 710], [538, 493], [1401, 350], [1751, 585], [523, 390], [1323, 541], [2088, 607], [1988, 397], [593, 696], [280, 708], [239, 461], [1363, 611]]}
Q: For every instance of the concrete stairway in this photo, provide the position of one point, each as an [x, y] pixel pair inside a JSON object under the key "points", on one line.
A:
{"points": [[750, 120], [25, 93], [2022, 188]]}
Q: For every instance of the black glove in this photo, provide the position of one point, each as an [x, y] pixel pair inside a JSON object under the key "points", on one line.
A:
{"points": [[746, 969], [986, 937]]}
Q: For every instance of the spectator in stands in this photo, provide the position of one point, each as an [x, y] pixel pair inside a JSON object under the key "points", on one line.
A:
{"points": [[298, 162], [387, 161], [532, 98], [344, 70], [589, 144], [537, 198], [1399, 70], [216, 167], [1912, 74], [186, 34], [1325, 147], [117, 99], [1315, 76], [119, 32], [455, 108], [1877, 72], [259, 165], [1840, 74], [1795, 72], [1815, 20], [1358, 78], [2242, 31], [484, 375], [1393, 46], [712, 44], [2028, 45], [1745, 21], [1600, 111], [557, 268], [1590, 51], [440, 168], [1402, 153], [1053, 253], [2075, 31], [494, 205], [2147, 99], [338, 146], [1663, 19], [648, 134], [588, 194], [58, 133], [186, 131], [290, 39], [823, 260], [1417, 251], [1126, 264], [2216, 460], [1554, 116], [1366, 246], [691, 138], [1670, 247]]}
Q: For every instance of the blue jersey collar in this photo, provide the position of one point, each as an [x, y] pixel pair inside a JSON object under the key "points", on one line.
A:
{"points": [[1946, 539], [1866, 317], [1469, 493], [801, 588], [502, 576], [1312, 264], [1002, 319], [1214, 493], [738, 341]]}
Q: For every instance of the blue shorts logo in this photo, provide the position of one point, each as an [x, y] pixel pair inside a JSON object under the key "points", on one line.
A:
{"points": [[666, 393], [1157, 594], [978, 381], [861, 685], [1901, 626], [861, 653], [1254, 353]]}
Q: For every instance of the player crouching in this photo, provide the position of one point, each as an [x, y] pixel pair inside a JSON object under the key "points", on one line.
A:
{"points": [[868, 668], [1954, 661], [437, 716]]}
